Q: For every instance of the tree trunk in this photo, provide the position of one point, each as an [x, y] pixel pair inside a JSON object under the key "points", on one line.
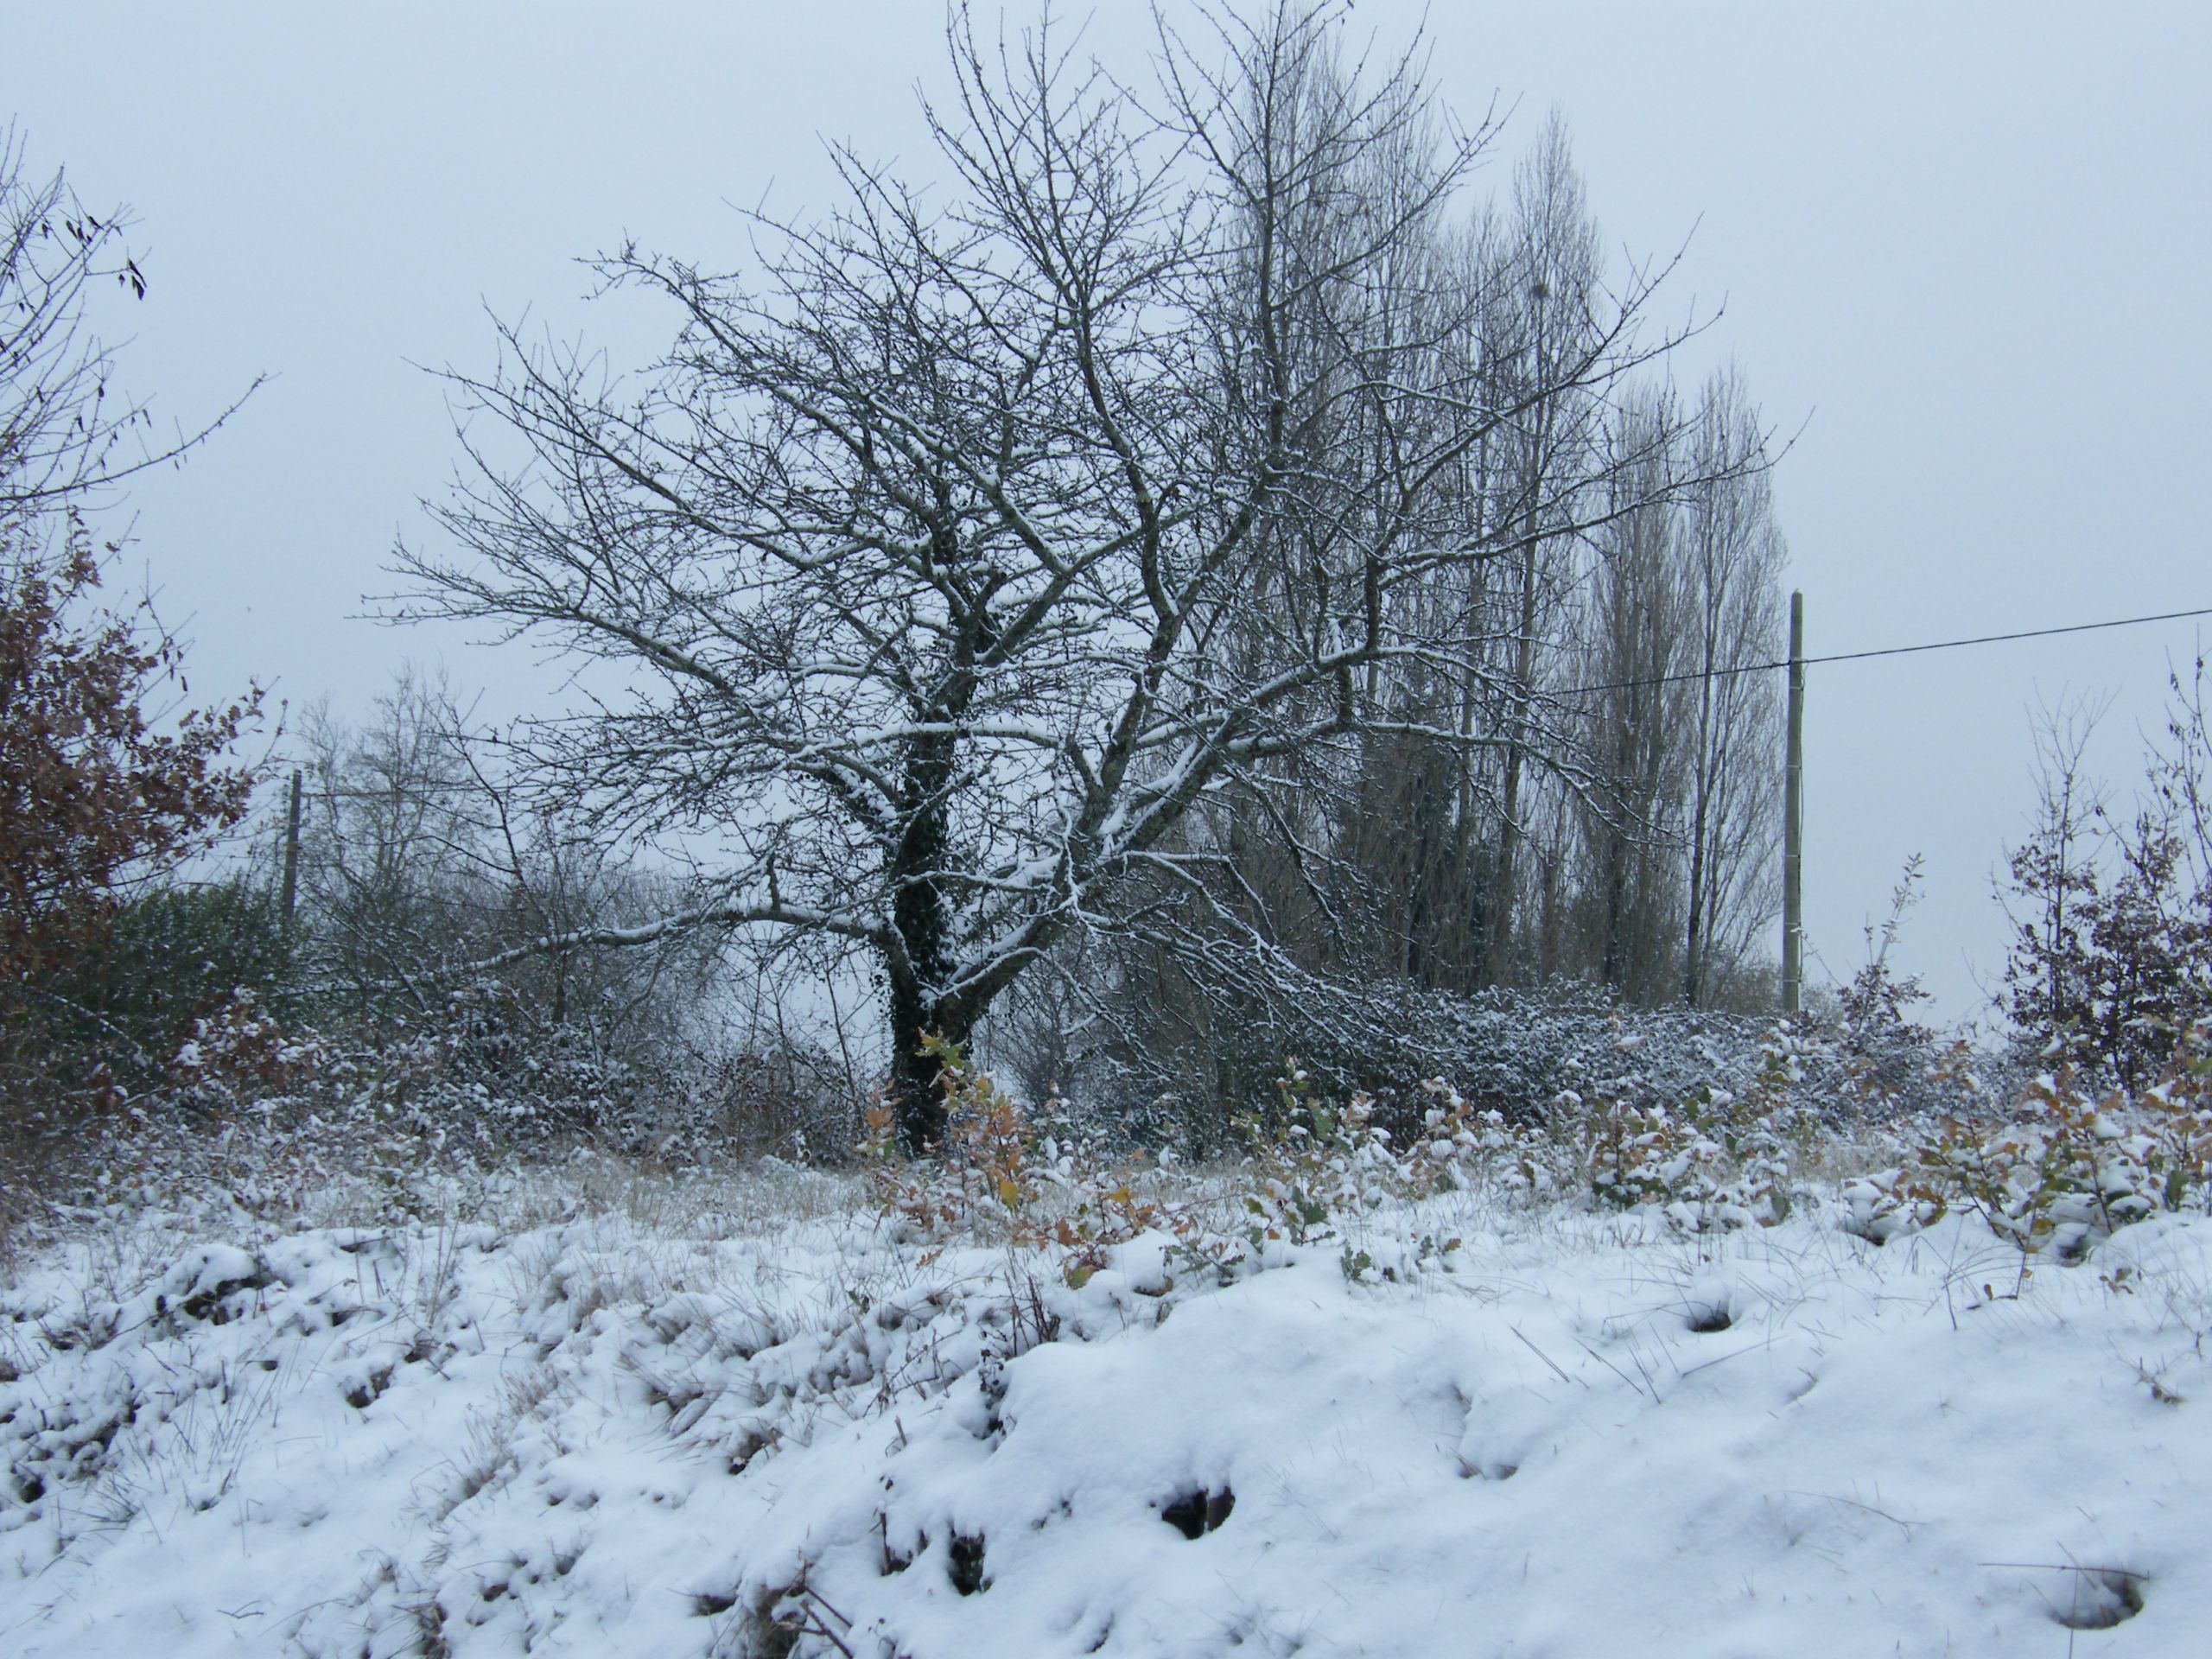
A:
{"points": [[1701, 792], [919, 915], [920, 860], [1509, 834], [918, 1100]]}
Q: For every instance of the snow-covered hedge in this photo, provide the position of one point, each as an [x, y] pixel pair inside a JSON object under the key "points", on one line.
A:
{"points": [[1511, 1051]]}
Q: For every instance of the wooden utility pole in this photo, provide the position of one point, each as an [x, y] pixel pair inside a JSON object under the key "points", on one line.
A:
{"points": [[289, 896], [1793, 822]]}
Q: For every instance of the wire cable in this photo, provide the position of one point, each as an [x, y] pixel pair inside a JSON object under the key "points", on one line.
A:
{"points": [[1886, 650]]}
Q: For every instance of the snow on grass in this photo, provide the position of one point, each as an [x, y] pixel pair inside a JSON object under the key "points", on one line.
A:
{"points": [[749, 1421]]}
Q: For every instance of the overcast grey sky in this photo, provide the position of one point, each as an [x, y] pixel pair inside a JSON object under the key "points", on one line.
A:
{"points": [[1965, 246]]}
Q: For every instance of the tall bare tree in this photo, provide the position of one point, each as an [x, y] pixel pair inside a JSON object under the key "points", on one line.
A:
{"points": [[1631, 654], [1553, 297], [1732, 559], [953, 558]]}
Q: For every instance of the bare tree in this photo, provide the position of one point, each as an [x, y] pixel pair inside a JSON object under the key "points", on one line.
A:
{"points": [[1634, 642], [385, 833], [1552, 294], [1670, 861], [418, 855], [2111, 961], [1732, 558], [67, 431], [951, 562], [2054, 872]]}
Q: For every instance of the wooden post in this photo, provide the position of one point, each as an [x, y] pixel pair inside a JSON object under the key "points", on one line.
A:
{"points": [[1793, 822], [289, 897]]}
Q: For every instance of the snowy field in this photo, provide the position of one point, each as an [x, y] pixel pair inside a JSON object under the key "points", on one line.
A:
{"points": [[759, 1420]]}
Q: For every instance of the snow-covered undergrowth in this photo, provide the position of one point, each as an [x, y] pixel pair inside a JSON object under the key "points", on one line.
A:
{"points": [[759, 1418]]}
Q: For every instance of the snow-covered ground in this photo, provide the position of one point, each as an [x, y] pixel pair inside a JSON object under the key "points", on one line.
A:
{"points": [[757, 1422]]}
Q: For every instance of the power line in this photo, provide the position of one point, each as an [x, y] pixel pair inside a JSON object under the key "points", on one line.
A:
{"points": [[1887, 651]]}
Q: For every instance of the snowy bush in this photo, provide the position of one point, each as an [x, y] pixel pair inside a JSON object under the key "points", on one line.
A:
{"points": [[2067, 1166], [269, 1115], [1002, 1179], [2070, 1167], [1315, 1167], [1716, 1157]]}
